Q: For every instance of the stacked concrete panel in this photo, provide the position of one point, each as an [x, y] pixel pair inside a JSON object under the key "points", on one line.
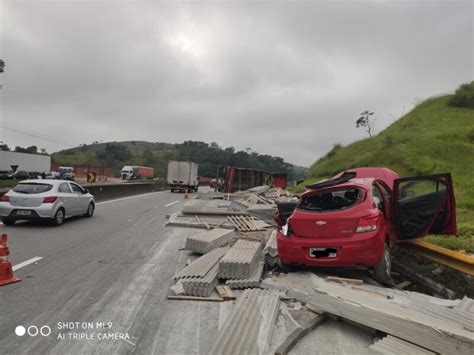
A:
{"points": [[206, 241], [201, 266], [212, 207], [200, 278], [201, 286], [203, 221], [265, 212], [248, 329], [252, 281], [241, 260]]}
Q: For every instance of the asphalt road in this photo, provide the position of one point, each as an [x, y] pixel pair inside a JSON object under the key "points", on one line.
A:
{"points": [[102, 283]]}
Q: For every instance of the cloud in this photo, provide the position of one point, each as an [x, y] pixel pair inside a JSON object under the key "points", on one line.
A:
{"points": [[284, 78]]}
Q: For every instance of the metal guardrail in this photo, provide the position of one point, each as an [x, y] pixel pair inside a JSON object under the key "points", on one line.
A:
{"points": [[452, 259]]}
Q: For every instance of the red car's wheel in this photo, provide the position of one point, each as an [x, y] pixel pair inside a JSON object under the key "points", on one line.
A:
{"points": [[383, 269]]}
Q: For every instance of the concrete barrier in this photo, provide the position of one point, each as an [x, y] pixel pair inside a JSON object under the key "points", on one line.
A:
{"points": [[110, 191], [106, 192]]}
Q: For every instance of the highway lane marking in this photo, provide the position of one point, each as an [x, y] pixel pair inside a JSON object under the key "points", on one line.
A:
{"points": [[126, 198], [27, 262], [172, 203]]}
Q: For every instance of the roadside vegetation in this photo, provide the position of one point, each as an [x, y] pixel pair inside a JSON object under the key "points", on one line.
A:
{"points": [[7, 183], [436, 136]]}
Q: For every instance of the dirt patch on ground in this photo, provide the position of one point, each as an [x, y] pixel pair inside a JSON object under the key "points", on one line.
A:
{"points": [[454, 280]]}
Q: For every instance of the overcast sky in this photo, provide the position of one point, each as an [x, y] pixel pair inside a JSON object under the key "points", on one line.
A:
{"points": [[285, 78]]}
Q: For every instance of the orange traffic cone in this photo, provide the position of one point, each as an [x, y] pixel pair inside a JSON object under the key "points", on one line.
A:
{"points": [[6, 271], [186, 195]]}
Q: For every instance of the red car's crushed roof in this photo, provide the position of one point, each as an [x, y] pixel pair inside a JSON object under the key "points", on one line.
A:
{"points": [[363, 177], [386, 175]]}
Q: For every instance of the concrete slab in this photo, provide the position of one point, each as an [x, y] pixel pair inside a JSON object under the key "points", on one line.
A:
{"points": [[248, 329], [333, 337]]}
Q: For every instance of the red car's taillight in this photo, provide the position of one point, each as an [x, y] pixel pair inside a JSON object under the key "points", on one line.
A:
{"points": [[50, 199], [5, 198], [367, 224]]}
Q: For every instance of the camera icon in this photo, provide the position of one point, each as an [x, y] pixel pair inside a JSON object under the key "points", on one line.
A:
{"points": [[33, 330]]}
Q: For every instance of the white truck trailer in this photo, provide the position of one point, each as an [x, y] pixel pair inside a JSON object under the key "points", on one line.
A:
{"points": [[24, 161], [183, 175]]}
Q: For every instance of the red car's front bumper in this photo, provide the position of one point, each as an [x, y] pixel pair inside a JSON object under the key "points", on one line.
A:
{"points": [[364, 249]]}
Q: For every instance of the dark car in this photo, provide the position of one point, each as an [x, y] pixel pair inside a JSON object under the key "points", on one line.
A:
{"points": [[355, 218], [19, 175]]}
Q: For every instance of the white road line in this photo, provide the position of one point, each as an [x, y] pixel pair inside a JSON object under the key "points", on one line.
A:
{"points": [[126, 198], [26, 263], [172, 203]]}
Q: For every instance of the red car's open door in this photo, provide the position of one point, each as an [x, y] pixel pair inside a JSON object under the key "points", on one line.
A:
{"points": [[423, 205]]}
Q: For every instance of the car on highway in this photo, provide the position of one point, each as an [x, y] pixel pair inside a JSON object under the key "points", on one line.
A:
{"points": [[66, 172], [355, 218], [52, 200], [52, 175], [16, 175]]}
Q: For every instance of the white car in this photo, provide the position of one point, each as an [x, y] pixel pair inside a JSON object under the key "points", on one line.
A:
{"points": [[53, 200]]}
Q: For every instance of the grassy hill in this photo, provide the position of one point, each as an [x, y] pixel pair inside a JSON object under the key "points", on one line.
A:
{"points": [[435, 137], [114, 155]]}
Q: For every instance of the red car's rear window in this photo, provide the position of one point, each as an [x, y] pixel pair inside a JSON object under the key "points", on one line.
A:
{"points": [[332, 200]]}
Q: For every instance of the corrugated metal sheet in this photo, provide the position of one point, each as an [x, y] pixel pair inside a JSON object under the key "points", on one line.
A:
{"points": [[204, 242], [246, 244], [454, 315], [394, 346], [201, 266], [241, 260], [249, 327], [253, 281], [201, 286]]}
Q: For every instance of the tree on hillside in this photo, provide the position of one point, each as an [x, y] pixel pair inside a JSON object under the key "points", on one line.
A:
{"points": [[464, 96], [148, 157], [365, 120], [33, 149], [113, 154], [4, 147], [209, 156]]}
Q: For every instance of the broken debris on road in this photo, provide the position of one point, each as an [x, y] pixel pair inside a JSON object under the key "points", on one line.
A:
{"points": [[237, 251]]}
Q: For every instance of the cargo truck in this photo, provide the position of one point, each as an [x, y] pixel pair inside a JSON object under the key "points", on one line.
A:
{"points": [[137, 172], [12, 161], [183, 176]]}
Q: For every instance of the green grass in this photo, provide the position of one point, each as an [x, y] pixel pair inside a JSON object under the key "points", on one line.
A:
{"points": [[464, 240], [433, 138], [7, 183]]}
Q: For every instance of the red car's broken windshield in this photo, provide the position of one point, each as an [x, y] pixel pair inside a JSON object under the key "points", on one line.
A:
{"points": [[333, 199]]}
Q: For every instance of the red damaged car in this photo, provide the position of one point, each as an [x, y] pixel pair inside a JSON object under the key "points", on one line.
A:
{"points": [[357, 216]]}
